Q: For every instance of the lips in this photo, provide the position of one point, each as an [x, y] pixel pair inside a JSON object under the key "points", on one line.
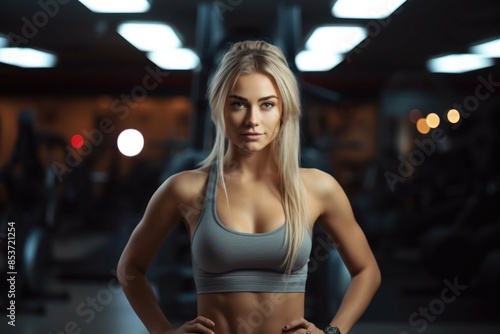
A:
{"points": [[251, 135]]}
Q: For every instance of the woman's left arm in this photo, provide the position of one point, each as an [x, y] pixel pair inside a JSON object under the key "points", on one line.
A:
{"points": [[337, 220]]}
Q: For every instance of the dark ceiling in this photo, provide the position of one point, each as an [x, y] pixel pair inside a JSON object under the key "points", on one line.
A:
{"points": [[94, 59]]}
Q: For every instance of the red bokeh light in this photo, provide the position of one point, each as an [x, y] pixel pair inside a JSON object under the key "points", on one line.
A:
{"points": [[77, 141]]}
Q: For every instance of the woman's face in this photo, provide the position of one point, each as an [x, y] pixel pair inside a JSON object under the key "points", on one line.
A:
{"points": [[252, 112]]}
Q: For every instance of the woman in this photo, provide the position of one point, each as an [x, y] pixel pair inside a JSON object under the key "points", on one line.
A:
{"points": [[251, 239]]}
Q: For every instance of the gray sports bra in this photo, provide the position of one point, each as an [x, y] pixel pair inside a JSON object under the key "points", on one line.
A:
{"points": [[225, 260]]}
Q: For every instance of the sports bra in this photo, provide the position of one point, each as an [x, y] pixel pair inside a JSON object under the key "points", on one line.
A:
{"points": [[225, 260]]}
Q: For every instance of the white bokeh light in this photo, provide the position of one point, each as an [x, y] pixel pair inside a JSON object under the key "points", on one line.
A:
{"points": [[117, 6], [130, 142], [27, 57], [458, 63]]}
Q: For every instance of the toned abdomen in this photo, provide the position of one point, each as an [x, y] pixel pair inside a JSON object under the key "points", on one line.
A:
{"points": [[250, 312]]}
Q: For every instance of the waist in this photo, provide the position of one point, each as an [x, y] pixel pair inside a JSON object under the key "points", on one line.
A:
{"points": [[251, 312]]}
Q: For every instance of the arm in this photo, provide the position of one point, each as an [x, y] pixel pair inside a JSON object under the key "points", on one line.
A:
{"points": [[160, 217], [337, 220]]}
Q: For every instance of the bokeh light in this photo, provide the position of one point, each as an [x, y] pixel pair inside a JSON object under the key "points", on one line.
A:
{"points": [[422, 126], [130, 142], [77, 141], [432, 120], [453, 116], [415, 115]]}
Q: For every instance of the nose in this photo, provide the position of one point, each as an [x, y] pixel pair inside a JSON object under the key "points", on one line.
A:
{"points": [[252, 117]]}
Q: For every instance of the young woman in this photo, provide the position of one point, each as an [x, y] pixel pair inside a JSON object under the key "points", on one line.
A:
{"points": [[251, 239]]}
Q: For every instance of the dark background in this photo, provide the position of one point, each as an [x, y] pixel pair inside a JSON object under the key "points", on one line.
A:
{"points": [[427, 202]]}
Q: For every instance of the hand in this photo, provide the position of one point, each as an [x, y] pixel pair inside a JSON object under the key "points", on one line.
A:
{"points": [[301, 326], [199, 325]]}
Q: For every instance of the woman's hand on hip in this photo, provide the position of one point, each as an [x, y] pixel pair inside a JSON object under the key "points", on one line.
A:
{"points": [[301, 326], [199, 325]]}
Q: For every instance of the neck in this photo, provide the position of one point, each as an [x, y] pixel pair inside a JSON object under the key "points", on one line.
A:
{"points": [[249, 164]]}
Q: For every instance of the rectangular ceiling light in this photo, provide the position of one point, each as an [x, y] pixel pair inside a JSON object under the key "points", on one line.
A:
{"points": [[26, 57], [149, 36], [175, 59], [336, 39], [312, 60], [458, 63], [490, 48], [365, 9], [117, 6]]}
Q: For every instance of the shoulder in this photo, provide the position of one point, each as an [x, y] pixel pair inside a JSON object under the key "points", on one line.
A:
{"points": [[184, 185], [319, 184]]}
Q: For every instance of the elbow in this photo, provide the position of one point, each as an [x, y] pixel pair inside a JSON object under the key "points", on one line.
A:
{"points": [[377, 277], [126, 273]]}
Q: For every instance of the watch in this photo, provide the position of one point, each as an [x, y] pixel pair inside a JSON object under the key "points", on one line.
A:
{"points": [[331, 330]]}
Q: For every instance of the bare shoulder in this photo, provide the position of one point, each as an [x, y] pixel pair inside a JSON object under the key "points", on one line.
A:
{"points": [[186, 184], [318, 183]]}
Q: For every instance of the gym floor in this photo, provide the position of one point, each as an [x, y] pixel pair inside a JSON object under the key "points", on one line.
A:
{"points": [[95, 304]]}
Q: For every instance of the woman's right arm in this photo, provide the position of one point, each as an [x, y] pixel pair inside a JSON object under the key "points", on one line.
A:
{"points": [[160, 217]]}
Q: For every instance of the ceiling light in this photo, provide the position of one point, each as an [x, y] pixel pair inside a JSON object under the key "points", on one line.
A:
{"points": [[365, 9], [312, 60], [458, 63], [490, 48], [116, 6], [175, 59], [336, 39], [26, 57], [149, 36]]}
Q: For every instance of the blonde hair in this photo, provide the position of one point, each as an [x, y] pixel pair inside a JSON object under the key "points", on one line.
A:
{"points": [[249, 57]]}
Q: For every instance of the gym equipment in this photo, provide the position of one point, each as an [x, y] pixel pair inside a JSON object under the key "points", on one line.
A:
{"points": [[31, 205]]}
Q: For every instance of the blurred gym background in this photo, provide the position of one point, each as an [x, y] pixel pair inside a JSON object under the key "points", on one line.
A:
{"points": [[99, 105]]}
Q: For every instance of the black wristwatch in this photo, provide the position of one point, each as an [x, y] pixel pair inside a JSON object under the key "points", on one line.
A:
{"points": [[331, 330]]}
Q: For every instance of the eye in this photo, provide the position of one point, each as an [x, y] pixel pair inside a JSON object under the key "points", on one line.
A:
{"points": [[237, 105], [267, 105]]}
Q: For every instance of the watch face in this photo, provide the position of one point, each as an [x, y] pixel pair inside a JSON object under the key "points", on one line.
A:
{"points": [[332, 330]]}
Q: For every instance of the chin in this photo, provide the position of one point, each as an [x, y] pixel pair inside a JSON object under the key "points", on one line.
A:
{"points": [[245, 148]]}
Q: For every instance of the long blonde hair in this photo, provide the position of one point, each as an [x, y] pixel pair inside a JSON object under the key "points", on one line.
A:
{"points": [[249, 57]]}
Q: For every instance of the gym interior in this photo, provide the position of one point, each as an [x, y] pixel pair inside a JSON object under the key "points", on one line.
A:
{"points": [[402, 111]]}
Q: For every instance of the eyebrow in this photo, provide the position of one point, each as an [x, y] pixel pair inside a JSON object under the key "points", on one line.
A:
{"points": [[246, 100]]}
